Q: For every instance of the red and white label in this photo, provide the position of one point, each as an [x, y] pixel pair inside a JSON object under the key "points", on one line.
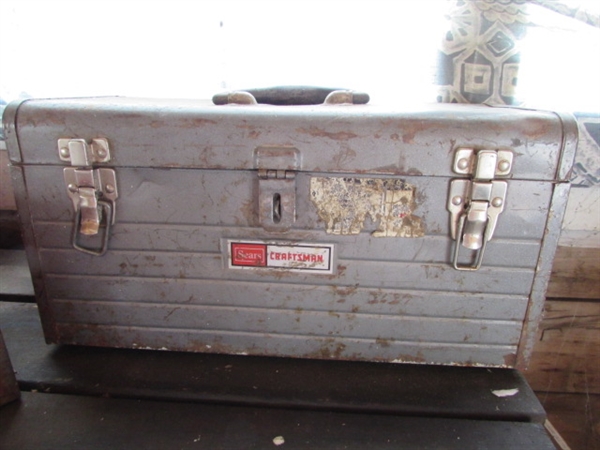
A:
{"points": [[296, 256], [246, 254]]}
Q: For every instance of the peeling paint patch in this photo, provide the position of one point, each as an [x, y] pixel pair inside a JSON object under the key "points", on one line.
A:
{"points": [[505, 392], [344, 204]]}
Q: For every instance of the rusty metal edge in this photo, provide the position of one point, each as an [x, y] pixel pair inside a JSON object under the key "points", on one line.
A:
{"points": [[569, 146], [556, 212], [537, 298], [9, 120]]}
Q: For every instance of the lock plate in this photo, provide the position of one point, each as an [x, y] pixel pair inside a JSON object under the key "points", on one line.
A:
{"points": [[277, 200], [276, 186]]}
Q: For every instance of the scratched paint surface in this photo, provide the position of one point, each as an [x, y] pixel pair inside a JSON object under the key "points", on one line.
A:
{"points": [[345, 203]]}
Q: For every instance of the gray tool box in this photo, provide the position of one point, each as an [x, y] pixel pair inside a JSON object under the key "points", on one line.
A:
{"points": [[337, 230]]}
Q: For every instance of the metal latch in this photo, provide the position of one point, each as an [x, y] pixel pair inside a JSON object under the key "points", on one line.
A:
{"points": [[93, 191], [276, 186], [476, 202], [81, 153]]}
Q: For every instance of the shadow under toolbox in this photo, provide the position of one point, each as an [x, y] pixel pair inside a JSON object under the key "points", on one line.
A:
{"points": [[322, 231]]}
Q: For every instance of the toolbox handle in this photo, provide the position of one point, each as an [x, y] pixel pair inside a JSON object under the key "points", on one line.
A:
{"points": [[292, 95]]}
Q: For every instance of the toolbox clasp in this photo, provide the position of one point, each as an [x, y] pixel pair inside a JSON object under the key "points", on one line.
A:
{"points": [[277, 186], [475, 203], [93, 191]]}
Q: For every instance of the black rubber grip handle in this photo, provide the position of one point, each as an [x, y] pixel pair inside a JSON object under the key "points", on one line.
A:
{"points": [[291, 95]]}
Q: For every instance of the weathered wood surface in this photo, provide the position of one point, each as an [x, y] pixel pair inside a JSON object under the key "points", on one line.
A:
{"points": [[576, 273], [565, 370], [566, 357], [7, 197], [576, 417]]}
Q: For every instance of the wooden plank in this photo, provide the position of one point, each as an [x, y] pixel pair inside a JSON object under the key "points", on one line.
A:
{"points": [[576, 273], [566, 357], [576, 417], [7, 196]]}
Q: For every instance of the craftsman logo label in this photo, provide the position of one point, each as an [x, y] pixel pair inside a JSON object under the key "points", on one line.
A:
{"points": [[294, 257]]}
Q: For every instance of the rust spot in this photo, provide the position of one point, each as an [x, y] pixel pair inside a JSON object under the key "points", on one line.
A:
{"points": [[537, 128], [418, 358], [382, 342], [343, 292], [355, 309], [411, 130], [389, 169], [330, 350], [196, 122], [394, 137], [510, 359], [337, 136], [413, 172]]}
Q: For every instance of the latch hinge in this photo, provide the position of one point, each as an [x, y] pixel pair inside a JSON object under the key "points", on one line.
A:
{"points": [[81, 153], [265, 174], [277, 186], [476, 202], [93, 191]]}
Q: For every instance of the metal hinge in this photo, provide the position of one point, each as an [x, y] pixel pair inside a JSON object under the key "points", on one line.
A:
{"points": [[276, 186], [93, 191], [266, 174], [81, 153], [476, 202]]}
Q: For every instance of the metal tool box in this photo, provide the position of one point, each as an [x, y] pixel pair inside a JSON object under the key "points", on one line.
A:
{"points": [[338, 230]]}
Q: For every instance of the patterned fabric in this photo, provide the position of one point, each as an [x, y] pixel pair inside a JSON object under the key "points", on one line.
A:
{"points": [[479, 59], [586, 171], [479, 63]]}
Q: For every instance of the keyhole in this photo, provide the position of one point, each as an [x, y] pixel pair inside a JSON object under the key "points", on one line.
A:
{"points": [[276, 208]]}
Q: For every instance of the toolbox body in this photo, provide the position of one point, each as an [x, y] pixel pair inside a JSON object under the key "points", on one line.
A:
{"points": [[329, 231]]}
